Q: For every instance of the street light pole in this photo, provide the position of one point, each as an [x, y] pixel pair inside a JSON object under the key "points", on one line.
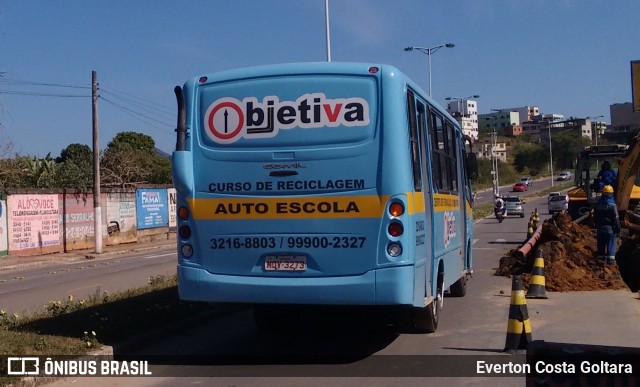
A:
{"points": [[550, 153], [328, 35], [494, 164], [428, 51]]}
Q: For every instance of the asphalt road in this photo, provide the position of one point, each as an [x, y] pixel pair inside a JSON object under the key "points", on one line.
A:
{"points": [[486, 196], [29, 289], [351, 348]]}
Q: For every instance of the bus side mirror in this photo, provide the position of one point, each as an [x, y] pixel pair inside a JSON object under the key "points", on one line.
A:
{"points": [[472, 166]]}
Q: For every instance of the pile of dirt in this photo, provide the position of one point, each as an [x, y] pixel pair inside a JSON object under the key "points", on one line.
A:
{"points": [[570, 259]]}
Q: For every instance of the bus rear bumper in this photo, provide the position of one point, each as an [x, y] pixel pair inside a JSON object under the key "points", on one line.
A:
{"points": [[387, 286]]}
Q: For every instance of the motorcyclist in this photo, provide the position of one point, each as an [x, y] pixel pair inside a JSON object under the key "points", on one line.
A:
{"points": [[499, 206]]}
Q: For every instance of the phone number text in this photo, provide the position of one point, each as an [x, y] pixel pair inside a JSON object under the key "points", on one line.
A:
{"points": [[337, 242]]}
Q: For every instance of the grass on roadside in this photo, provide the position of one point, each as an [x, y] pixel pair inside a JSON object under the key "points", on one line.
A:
{"points": [[76, 327]]}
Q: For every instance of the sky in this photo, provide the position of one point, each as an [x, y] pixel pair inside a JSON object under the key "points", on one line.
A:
{"points": [[569, 57]]}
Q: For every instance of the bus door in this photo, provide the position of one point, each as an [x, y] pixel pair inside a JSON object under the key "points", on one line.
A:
{"points": [[423, 200], [424, 155]]}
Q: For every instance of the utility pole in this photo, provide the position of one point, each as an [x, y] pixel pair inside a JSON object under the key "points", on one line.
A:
{"points": [[97, 210], [494, 164]]}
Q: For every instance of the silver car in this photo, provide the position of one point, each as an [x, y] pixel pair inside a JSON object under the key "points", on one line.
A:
{"points": [[558, 203], [564, 176], [514, 206]]}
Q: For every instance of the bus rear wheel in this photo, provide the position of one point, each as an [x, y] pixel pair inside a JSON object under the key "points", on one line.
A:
{"points": [[459, 288], [425, 319]]}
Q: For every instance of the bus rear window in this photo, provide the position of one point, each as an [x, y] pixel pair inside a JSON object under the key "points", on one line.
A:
{"points": [[288, 111]]}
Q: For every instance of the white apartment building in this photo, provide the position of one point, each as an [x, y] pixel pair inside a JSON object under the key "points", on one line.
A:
{"points": [[465, 111]]}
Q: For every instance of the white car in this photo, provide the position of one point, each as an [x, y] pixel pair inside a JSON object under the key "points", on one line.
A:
{"points": [[527, 180], [564, 176]]}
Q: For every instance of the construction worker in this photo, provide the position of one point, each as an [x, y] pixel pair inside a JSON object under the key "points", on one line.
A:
{"points": [[606, 176], [607, 225]]}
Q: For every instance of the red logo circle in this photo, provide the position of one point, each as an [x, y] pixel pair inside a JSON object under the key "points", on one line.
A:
{"points": [[219, 134]]}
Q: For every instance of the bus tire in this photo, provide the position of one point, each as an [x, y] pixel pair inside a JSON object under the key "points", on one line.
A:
{"points": [[459, 288], [426, 319]]}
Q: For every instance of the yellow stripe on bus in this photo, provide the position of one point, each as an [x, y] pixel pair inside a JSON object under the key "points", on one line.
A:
{"points": [[289, 208], [415, 202], [325, 207], [442, 202], [445, 202]]}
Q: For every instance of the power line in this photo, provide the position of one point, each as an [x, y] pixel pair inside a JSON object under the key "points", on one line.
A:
{"points": [[138, 115], [139, 108], [40, 94], [141, 103], [31, 83]]}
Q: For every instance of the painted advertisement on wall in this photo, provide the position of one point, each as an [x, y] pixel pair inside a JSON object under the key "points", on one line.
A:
{"points": [[78, 221], [4, 245], [34, 221], [152, 208], [121, 212], [173, 199]]}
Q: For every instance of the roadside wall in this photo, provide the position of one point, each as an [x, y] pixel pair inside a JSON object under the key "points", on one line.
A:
{"points": [[35, 222], [4, 247]]}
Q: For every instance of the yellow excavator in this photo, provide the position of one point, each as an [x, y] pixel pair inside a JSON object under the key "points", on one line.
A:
{"points": [[583, 197]]}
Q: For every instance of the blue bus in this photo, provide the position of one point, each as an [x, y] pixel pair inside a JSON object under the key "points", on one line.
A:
{"points": [[321, 184]]}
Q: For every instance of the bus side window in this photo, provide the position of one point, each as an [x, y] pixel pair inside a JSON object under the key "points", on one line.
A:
{"points": [[451, 158], [422, 134], [413, 137], [438, 157]]}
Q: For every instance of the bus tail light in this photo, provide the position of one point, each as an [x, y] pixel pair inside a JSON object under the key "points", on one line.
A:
{"points": [[187, 251], [185, 231], [395, 229], [394, 249], [396, 209], [183, 213]]}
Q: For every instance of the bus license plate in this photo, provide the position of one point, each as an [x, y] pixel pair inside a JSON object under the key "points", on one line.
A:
{"points": [[285, 263]]}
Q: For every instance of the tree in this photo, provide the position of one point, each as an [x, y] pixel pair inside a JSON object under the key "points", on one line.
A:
{"points": [[75, 167], [564, 147], [130, 158], [530, 156], [39, 173], [161, 171], [10, 170]]}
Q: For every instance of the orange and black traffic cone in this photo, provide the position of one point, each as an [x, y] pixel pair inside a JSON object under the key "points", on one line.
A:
{"points": [[519, 327], [536, 218], [536, 283]]}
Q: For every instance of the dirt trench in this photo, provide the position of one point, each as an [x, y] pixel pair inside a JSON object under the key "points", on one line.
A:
{"points": [[571, 262]]}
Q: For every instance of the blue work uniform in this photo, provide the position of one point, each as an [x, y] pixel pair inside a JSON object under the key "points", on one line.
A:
{"points": [[607, 226], [606, 177]]}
